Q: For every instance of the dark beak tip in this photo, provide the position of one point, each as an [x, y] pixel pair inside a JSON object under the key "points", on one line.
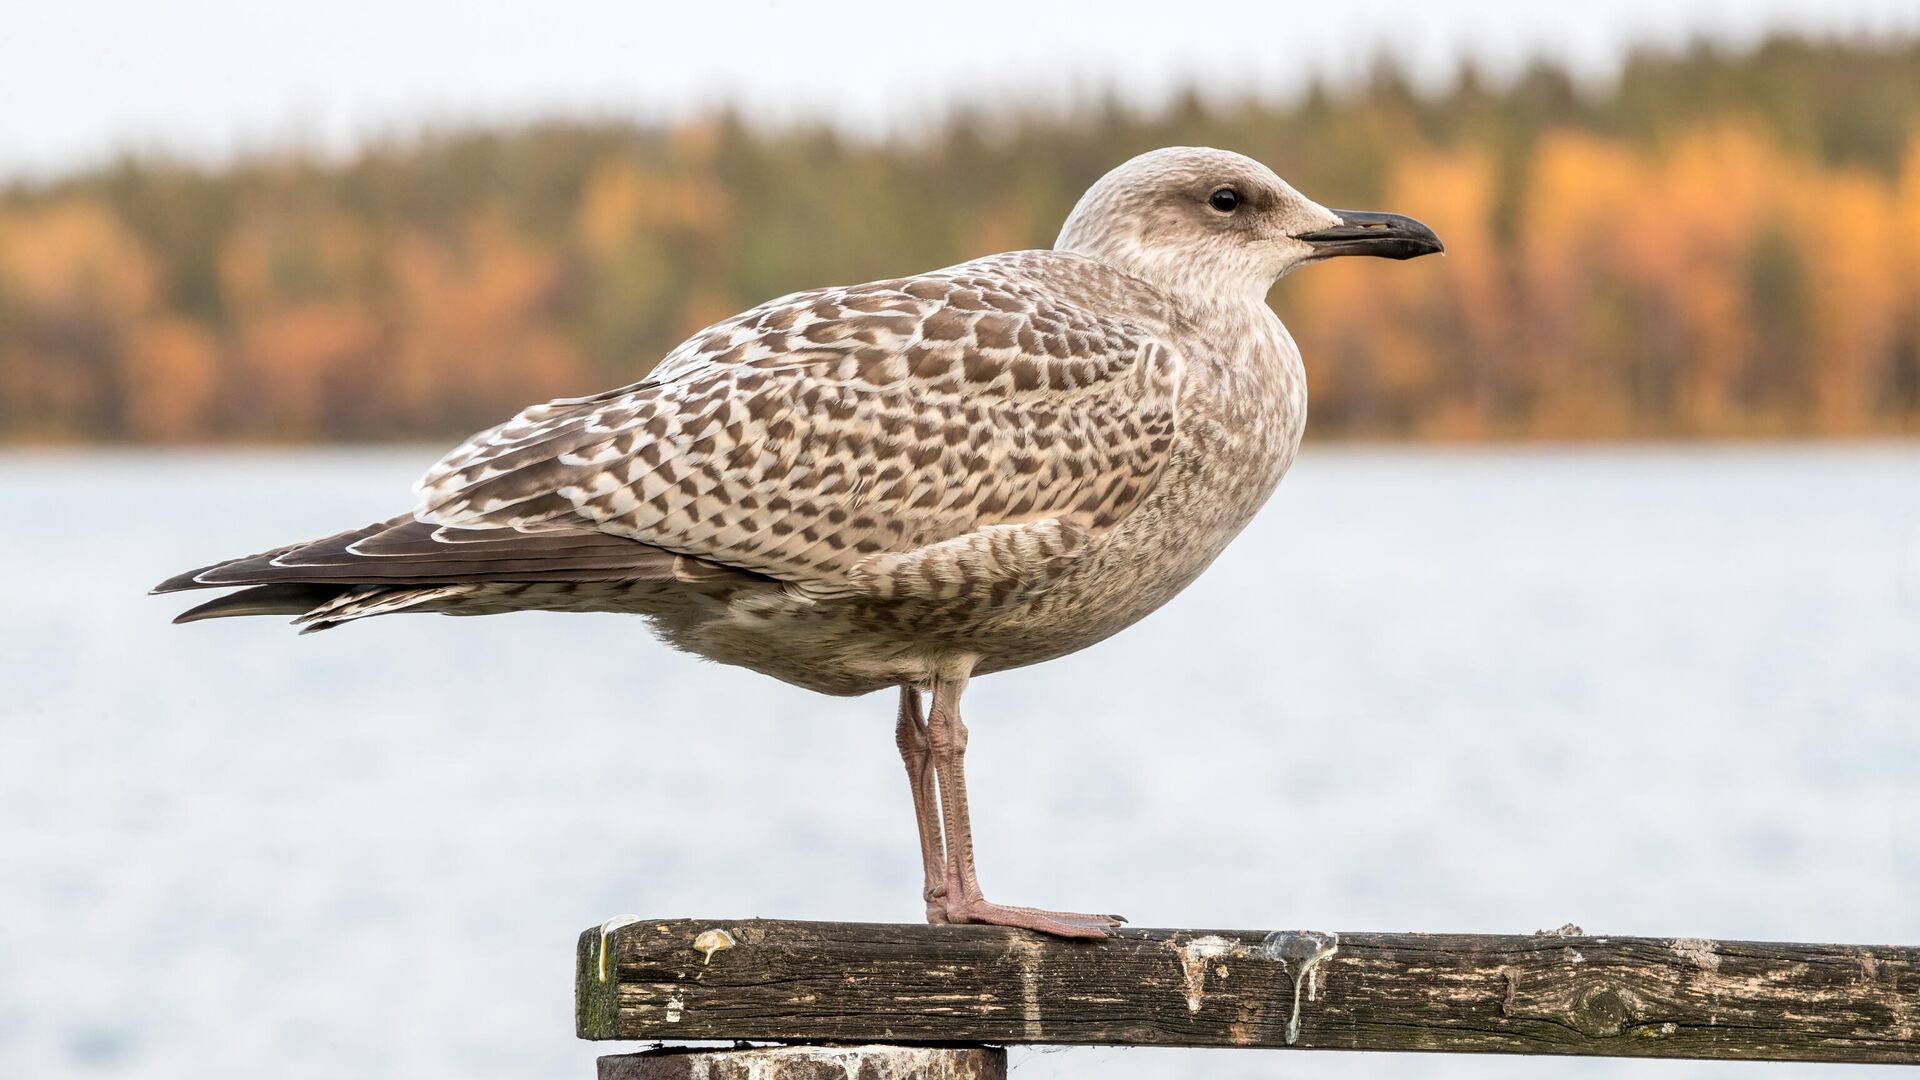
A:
{"points": [[1367, 232]]}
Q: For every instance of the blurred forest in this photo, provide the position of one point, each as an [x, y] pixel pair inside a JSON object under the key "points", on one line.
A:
{"points": [[1718, 243]]}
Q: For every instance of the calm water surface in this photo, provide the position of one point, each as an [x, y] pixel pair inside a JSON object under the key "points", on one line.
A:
{"points": [[1649, 691]]}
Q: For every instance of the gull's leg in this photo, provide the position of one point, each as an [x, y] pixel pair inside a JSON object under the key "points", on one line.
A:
{"points": [[910, 734], [962, 897]]}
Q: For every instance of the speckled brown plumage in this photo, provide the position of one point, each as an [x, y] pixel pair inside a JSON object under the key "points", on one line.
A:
{"points": [[899, 483]]}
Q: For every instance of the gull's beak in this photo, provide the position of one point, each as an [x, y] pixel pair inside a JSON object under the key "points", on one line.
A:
{"points": [[1363, 232]]}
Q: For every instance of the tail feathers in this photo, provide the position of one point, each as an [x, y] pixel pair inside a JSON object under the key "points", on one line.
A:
{"points": [[366, 601], [282, 599], [402, 564]]}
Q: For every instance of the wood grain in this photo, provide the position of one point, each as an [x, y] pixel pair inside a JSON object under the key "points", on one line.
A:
{"points": [[810, 1063], [778, 981]]}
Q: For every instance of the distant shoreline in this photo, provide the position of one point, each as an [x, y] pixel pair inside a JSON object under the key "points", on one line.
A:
{"points": [[1718, 244]]}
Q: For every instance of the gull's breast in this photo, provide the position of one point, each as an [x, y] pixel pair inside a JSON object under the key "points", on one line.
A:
{"points": [[1240, 427]]}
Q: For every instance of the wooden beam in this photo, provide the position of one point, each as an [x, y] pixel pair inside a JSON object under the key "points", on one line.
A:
{"points": [[1561, 993], [810, 1063]]}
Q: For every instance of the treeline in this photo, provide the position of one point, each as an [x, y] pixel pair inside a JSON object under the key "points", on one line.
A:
{"points": [[1715, 244]]}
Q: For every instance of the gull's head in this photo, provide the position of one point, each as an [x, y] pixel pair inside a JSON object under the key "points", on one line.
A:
{"points": [[1218, 224]]}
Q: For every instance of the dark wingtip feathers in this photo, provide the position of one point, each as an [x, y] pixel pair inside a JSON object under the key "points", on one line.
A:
{"points": [[181, 582], [278, 599], [404, 554]]}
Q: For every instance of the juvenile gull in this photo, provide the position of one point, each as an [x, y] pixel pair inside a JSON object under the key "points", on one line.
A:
{"points": [[905, 483]]}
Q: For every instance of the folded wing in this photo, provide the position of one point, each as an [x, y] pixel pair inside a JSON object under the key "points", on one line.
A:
{"points": [[898, 438], [845, 427]]}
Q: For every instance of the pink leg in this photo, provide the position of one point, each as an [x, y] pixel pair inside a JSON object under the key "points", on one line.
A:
{"points": [[910, 734], [962, 897]]}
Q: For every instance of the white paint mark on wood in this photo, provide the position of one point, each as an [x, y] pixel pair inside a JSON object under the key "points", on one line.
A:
{"points": [[606, 930], [675, 1009], [1029, 959], [710, 942], [1299, 951], [1194, 957]]}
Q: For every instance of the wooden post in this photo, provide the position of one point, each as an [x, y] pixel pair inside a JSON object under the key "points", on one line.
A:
{"points": [[1561, 993], [810, 1063]]}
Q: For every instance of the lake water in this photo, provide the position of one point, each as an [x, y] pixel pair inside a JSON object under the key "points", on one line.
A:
{"points": [[1649, 691]]}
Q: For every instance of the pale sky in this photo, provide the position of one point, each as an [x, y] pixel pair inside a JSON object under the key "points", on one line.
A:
{"points": [[80, 79]]}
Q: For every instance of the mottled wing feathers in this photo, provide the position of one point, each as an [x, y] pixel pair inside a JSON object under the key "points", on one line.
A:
{"points": [[975, 427], [826, 438]]}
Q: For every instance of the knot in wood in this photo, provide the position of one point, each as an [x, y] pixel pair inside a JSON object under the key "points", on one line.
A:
{"points": [[1601, 1012]]}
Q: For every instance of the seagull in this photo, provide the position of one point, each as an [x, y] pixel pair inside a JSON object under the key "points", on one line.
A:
{"points": [[901, 484]]}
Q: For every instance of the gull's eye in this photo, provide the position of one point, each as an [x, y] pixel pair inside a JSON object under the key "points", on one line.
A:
{"points": [[1224, 200]]}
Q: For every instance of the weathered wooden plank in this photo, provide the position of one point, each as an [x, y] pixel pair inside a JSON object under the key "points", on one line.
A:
{"points": [[777, 981], [811, 1063]]}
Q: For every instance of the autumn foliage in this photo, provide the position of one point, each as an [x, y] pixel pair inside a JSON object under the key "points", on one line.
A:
{"points": [[1713, 245]]}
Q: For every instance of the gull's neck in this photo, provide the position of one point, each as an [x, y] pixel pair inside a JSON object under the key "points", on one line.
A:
{"points": [[1201, 289]]}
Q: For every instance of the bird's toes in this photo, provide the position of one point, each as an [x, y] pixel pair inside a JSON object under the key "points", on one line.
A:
{"points": [[1066, 924]]}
